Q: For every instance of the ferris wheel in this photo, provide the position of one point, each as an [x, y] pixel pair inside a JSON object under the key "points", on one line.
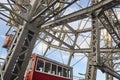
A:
{"points": [[83, 34]]}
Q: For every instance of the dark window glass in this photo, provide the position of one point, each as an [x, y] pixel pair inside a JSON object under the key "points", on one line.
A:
{"points": [[64, 72], [40, 65], [54, 67], [69, 73], [59, 71], [47, 67]]}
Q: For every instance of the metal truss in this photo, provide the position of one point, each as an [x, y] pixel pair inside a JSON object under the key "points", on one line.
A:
{"points": [[111, 24], [47, 21], [26, 36]]}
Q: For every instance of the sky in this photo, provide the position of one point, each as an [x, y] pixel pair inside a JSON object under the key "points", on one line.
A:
{"points": [[79, 68], [3, 30]]}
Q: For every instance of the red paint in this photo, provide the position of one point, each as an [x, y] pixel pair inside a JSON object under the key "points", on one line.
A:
{"points": [[45, 76], [35, 75], [42, 76], [8, 41], [29, 75]]}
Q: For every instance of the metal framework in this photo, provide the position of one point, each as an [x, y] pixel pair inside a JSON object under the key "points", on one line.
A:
{"points": [[50, 22]]}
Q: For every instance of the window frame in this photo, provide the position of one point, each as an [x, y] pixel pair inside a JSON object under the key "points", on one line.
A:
{"points": [[37, 64], [69, 74]]}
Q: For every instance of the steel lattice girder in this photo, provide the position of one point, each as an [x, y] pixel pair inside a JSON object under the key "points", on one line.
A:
{"points": [[83, 13], [21, 49]]}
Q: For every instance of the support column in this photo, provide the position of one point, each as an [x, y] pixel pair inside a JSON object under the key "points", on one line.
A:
{"points": [[94, 57], [19, 53], [108, 43]]}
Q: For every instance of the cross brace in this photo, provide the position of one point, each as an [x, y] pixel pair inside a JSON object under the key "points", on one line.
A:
{"points": [[112, 25], [83, 13]]}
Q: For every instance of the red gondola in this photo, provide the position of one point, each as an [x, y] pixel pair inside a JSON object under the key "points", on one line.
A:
{"points": [[7, 41], [41, 68]]}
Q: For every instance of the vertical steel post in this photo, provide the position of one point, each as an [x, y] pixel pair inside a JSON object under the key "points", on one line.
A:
{"points": [[109, 44], [94, 57]]}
